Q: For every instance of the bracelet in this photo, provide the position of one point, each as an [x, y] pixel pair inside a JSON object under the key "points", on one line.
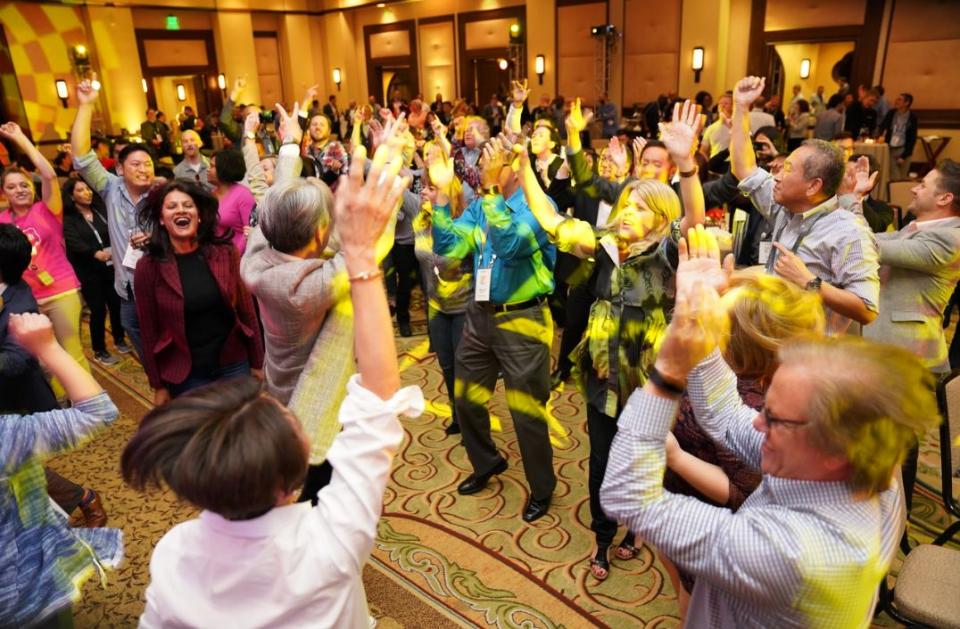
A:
{"points": [[365, 276], [658, 379], [690, 173]]}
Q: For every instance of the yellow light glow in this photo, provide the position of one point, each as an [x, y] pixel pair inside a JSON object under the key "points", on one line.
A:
{"points": [[540, 64], [697, 63], [337, 75], [503, 63], [805, 69], [221, 81], [181, 92], [143, 83], [62, 88], [514, 29], [81, 50]]}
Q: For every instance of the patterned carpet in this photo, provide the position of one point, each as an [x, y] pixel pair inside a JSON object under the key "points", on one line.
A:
{"points": [[441, 560]]}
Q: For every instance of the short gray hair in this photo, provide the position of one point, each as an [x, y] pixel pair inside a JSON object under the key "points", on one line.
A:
{"points": [[825, 163], [293, 210]]}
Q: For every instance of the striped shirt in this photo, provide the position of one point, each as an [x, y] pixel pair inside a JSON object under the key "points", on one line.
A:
{"points": [[836, 247], [796, 554], [44, 562]]}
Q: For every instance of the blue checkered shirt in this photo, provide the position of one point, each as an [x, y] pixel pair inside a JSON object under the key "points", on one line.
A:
{"points": [[796, 553]]}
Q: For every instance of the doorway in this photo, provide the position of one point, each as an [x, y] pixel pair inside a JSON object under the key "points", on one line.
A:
{"points": [[485, 79]]}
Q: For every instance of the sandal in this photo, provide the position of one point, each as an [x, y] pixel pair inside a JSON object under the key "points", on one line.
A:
{"points": [[600, 565], [627, 551]]}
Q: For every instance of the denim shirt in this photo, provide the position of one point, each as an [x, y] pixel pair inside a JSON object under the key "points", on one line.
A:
{"points": [[505, 236]]}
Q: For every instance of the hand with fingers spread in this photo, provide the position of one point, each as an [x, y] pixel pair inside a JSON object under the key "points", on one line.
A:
{"points": [[519, 92], [681, 134], [440, 169], [86, 94], [363, 207], [289, 124], [238, 85], [492, 162], [577, 121], [700, 261], [618, 154], [748, 90], [863, 180]]}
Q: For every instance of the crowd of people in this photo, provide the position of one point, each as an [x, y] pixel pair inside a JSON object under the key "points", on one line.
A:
{"points": [[755, 416]]}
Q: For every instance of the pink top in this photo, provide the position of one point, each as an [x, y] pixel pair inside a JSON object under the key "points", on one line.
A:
{"points": [[235, 209], [49, 273]]}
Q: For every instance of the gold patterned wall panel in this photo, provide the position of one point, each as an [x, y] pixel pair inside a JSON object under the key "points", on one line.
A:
{"points": [[437, 60], [651, 42], [577, 49], [488, 34], [40, 37], [162, 53], [922, 54], [389, 44], [785, 15]]}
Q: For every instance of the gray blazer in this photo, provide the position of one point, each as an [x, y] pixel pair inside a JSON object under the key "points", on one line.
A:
{"points": [[919, 270]]}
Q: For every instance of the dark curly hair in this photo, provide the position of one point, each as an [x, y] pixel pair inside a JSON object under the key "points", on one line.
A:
{"points": [[151, 209]]}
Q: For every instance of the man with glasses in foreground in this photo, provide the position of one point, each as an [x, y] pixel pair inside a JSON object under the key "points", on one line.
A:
{"points": [[810, 546]]}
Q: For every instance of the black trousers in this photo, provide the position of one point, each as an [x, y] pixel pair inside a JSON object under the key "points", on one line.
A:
{"points": [[579, 300], [100, 296], [517, 344], [405, 264], [602, 429]]}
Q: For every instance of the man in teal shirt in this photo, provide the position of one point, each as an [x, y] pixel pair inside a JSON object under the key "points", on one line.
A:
{"points": [[508, 326]]}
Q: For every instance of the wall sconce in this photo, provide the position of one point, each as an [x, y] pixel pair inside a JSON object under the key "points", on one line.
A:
{"points": [[96, 85], [539, 67], [337, 77], [62, 92], [143, 84], [697, 63], [221, 81], [804, 68], [181, 92]]}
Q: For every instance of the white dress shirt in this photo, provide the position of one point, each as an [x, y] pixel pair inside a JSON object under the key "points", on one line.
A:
{"points": [[297, 565]]}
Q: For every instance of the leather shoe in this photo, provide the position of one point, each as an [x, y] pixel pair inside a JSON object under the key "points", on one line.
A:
{"points": [[452, 429], [405, 330], [558, 377], [475, 482], [536, 509]]}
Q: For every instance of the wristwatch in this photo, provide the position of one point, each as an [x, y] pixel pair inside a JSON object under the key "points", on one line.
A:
{"points": [[814, 285], [494, 189], [250, 135]]}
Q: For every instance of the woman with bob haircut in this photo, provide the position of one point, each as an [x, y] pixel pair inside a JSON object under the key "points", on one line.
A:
{"points": [[252, 558], [636, 257], [191, 273], [237, 203]]}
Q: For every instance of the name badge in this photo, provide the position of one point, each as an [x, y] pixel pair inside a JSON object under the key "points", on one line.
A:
{"points": [[482, 284], [45, 278], [132, 256], [766, 246]]}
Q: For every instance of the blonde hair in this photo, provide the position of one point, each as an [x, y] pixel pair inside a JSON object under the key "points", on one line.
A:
{"points": [[870, 403], [658, 197], [196, 136], [765, 311]]}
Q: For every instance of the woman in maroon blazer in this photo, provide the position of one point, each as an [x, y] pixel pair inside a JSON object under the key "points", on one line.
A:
{"points": [[196, 317]]}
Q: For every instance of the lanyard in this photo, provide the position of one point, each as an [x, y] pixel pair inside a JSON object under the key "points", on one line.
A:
{"points": [[93, 227], [804, 232], [483, 246]]}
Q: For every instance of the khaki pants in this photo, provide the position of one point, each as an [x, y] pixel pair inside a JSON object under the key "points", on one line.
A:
{"points": [[898, 171], [64, 312]]}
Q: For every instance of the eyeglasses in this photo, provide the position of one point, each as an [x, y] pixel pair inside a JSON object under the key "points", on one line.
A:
{"points": [[769, 420]]}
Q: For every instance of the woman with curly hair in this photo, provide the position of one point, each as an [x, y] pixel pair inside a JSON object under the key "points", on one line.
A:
{"points": [[191, 273]]}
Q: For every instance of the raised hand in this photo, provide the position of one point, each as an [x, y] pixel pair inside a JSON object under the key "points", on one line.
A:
{"points": [[361, 207], [700, 324], [88, 90], [748, 89], [618, 154], [700, 261], [440, 170], [681, 134], [289, 127], [238, 85], [12, 132], [863, 180], [492, 161], [310, 95], [251, 124], [638, 145], [519, 92], [33, 332], [577, 121]]}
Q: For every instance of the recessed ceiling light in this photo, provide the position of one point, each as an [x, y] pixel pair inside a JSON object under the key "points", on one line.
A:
{"points": [[381, 5]]}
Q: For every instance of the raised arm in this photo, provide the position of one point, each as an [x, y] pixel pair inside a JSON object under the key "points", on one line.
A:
{"points": [[84, 160], [50, 192], [518, 95], [743, 160], [256, 180], [680, 136], [707, 478], [289, 163], [576, 122], [229, 126]]}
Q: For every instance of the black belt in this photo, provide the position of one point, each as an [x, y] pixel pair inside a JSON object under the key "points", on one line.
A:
{"points": [[536, 301]]}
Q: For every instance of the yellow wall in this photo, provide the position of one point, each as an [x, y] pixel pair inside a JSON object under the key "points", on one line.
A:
{"points": [[705, 23], [119, 63], [236, 55], [822, 59], [541, 23]]}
